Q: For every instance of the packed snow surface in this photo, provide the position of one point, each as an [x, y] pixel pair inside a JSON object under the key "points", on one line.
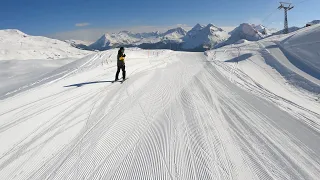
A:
{"points": [[18, 75], [305, 49], [240, 112]]}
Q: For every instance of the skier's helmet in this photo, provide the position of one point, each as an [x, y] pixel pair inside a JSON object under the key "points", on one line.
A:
{"points": [[122, 49]]}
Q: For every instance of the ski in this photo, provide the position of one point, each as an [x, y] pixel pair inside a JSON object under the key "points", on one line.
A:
{"points": [[116, 81], [124, 80], [121, 81]]}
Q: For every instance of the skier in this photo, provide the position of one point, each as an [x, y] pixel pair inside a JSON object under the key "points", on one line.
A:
{"points": [[121, 65]]}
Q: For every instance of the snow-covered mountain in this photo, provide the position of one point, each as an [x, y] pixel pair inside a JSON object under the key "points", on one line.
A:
{"points": [[79, 44], [124, 38], [174, 34], [147, 35], [75, 42], [102, 43], [15, 44], [108, 40], [198, 37], [204, 37], [195, 30], [246, 32]]}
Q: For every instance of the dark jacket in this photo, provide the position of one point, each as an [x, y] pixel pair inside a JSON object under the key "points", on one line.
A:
{"points": [[120, 58]]}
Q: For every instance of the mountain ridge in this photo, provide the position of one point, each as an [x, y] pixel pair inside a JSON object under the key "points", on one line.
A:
{"points": [[17, 45]]}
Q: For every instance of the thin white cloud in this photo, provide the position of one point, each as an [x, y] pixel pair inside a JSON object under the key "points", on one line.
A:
{"points": [[82, 24], [79, 34], [182, 25]]}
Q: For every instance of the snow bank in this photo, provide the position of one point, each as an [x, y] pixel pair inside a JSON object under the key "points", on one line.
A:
{"points": [[15, 74], [241, 41], [15, 44], [290, 30], [304, 47]]}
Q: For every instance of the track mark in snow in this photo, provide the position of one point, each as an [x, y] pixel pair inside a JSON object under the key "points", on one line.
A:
{"points": [[173, 119]]}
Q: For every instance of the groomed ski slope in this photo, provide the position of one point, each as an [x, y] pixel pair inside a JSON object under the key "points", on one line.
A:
{"points": [[224, 115], [17, 75]]}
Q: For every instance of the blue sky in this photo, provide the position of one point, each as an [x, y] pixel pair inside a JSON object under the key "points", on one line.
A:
{"points": [[44, 17]]}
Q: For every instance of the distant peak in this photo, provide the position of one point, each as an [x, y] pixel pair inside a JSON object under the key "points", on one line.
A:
{"points": [[105, 36], [179, 30], [198, 27], [213, 27], [259, 26], [314, 22], [244, 24]]}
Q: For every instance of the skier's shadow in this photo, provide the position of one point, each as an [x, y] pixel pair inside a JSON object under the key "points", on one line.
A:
{"points": [[87, 83]]}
